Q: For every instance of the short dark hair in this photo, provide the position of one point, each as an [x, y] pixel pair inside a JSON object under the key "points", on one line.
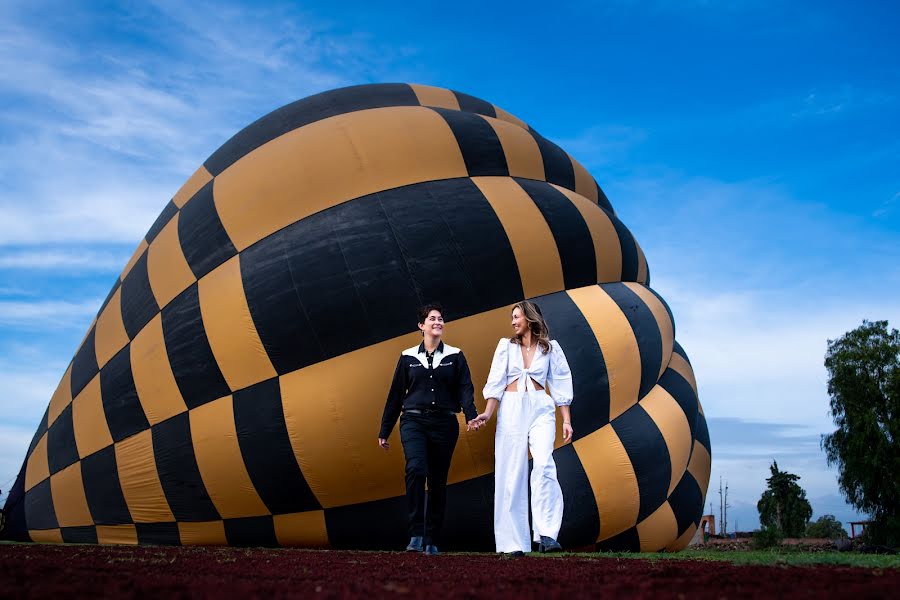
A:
{"points": [[422, 312]]}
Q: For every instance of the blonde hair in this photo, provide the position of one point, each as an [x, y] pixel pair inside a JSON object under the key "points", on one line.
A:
{"points": [[536, 324]]}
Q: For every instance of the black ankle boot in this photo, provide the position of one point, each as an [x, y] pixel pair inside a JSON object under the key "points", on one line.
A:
{"points": [[548, 544], [415, 544]]}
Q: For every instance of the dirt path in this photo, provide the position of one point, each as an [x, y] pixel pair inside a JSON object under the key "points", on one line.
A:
{"points": [[60, 571]]}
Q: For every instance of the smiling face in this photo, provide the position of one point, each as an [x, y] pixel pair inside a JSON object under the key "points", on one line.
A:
{"points": [[519, 323], [433, 325]]}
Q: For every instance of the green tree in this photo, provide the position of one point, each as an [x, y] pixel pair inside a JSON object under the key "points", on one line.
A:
{"points": [[783, 505], [827, 527], [864, 386]]}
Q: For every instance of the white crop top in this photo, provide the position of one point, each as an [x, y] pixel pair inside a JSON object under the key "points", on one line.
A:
{"points": [[549, 370]]}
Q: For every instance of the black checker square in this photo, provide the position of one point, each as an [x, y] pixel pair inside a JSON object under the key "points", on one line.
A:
{"points": [[193, 364], [102, 488], [39, 510], [124, 413], [82, 534], [178, 471], [61, 448], [203, 238], [251, 532], [138, 302], [267, 452], [372, 525], [158, 534], [84, 365]]}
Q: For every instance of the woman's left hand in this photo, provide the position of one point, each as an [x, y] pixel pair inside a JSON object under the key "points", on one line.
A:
{"points": [[567, 432]]}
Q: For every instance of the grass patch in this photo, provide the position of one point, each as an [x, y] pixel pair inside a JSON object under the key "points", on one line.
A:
{"points": [[775, 556]]}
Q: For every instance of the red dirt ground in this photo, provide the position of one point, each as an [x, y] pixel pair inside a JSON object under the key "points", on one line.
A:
{"points": [[30, 570]]}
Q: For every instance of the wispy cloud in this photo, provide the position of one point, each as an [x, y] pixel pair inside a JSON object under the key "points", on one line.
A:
{"points": [[819, 103], [84, 260], [887, 206], [598, 146], [98, 139], [47, 314], [13, 443]]}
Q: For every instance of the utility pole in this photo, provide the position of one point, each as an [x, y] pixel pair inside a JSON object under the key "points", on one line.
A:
{"points": [[721, 508], [725, 517]]}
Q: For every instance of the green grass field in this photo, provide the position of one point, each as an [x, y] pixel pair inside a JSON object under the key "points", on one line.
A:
{"points": [[782, 556]]}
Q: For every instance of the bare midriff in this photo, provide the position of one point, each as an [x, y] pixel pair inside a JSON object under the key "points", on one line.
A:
{"points": [[514, 386]]}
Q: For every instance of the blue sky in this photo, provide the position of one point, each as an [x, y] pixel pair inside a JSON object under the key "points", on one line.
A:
{"points": [[752, 148]]}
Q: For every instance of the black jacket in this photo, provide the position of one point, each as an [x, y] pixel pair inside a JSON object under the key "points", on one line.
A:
{"points": [[445, 386]]}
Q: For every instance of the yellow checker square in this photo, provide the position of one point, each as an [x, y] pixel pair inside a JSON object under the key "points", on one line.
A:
{"points": [[434, 96], [125, 535], [205, 533], [45, 536], [89, 420], [620, 348], [110, 335], [306, 529], [37, 467], [337, 425], [612, 479], [167, 268], [529, 235], [523, 156], [230, 328], [69, 500], [220, 462], [196, 181], [398, 146], [153, 379], [61, 398], [140, 480], [584, 183], [656, 531]]}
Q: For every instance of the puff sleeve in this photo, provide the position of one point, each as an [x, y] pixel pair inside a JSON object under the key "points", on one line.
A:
{"points": [[496, 381], [559, 377]]}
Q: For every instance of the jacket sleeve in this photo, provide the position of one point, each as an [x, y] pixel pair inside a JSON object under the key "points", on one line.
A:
{"points": [[496, 381], [465, 391], [560, 376], [394, 402]]}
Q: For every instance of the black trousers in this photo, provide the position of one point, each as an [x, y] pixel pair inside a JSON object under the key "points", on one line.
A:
{"points": [[428, 443]]}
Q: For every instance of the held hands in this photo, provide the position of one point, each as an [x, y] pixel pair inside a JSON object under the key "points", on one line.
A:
{"points": [[478, 422]]}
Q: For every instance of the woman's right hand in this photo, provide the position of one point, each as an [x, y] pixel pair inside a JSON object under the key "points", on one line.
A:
{"points": [[483, 417]]}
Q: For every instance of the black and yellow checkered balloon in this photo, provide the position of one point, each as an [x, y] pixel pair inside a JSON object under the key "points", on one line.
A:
{"points": [[231, 387]]}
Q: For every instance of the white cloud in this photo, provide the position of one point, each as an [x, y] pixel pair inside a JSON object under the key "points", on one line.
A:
{"points": [[13, 444], [742, 452], [47, 314], [758, 281], [99, 138], [601, 145], [83, 260]]}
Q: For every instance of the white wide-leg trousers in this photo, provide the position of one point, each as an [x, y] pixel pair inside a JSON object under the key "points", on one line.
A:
{"points": [[526, 421]]}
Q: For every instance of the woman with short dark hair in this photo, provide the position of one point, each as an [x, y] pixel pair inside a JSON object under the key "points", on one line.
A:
{"points": [[524, 366], [431, 385]]}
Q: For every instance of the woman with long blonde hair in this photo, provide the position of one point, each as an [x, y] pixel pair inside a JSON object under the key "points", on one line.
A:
{"points": [[524, 366]]}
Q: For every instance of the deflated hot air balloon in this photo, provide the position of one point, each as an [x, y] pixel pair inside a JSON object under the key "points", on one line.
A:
{"points": [[230, 389]]}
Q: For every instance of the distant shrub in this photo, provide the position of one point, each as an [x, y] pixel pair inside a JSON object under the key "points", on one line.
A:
{"points": [[767, 537], [826, 526]]}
